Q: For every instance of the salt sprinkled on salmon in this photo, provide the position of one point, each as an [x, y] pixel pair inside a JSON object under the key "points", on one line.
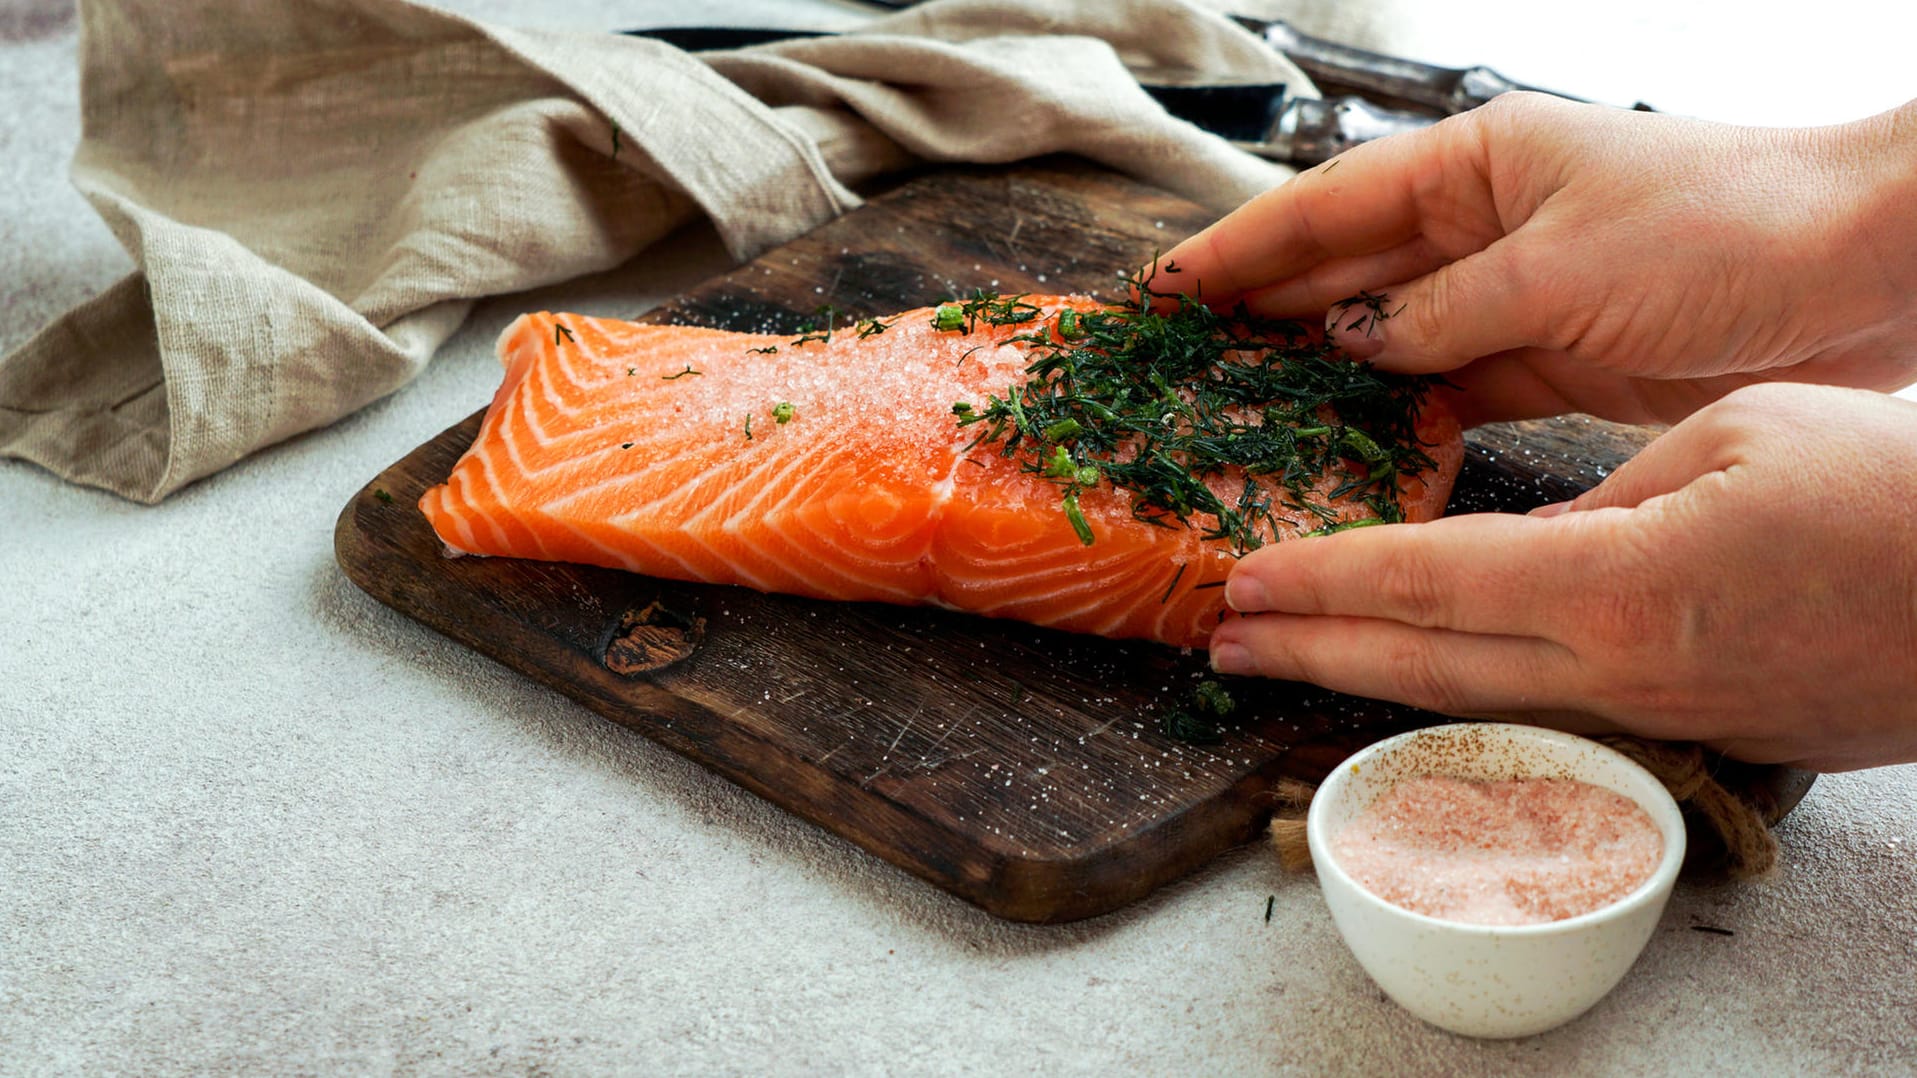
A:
{"points": [[659, 449]]}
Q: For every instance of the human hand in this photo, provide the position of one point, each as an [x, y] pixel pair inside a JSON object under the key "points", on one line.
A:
{"points": [[1553, 257], [1749, 580]]}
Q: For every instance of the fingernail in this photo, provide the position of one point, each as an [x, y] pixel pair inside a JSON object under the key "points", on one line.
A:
{"points": [[1230, 658], [1245, 593], [1357, 325], [1550, 510]]}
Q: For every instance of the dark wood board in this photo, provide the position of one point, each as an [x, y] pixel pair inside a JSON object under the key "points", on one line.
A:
{"points": [[1022, 769]]}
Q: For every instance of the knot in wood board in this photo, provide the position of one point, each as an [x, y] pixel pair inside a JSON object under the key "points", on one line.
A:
{"points": [[652, 638]]}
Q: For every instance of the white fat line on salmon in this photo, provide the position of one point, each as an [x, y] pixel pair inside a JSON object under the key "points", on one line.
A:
{"points": [[491, 474], [755, 516], [619, 557]]}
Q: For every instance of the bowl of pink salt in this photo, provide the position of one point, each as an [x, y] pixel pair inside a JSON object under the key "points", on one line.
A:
{"points": [[1495, 880]]}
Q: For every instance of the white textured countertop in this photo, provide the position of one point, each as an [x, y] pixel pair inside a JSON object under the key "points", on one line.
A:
{"points": [[252, 822]]}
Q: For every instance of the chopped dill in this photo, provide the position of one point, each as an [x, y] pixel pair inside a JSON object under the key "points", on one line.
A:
{"points": [[1347, 525], [811, 331], [559, 330], [1371, 313], [625, 445], [681, 374], [1169, 588], [630, 371], [872, 327], [987, 307], [782, 412], [380, 493], [1167, 400], [770, 349], [1196, 718], [615, 139], [748, 426]]}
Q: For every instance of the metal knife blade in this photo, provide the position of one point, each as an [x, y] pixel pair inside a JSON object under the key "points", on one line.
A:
{"points": [[1262, 118]]}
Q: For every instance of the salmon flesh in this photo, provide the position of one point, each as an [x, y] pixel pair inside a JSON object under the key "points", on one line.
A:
{"points": [[836, 466]]}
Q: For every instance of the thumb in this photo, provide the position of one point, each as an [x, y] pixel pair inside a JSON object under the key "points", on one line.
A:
{"points": [[1701, 445], [1481, 304]]}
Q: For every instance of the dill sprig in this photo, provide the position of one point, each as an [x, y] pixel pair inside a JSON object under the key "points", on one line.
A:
{"points": [[872, 327], [988, 307], [811, 331], [1160, 395]]}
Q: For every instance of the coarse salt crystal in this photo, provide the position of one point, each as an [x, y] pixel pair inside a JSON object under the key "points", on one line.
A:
{"points": [[1509, 852]]}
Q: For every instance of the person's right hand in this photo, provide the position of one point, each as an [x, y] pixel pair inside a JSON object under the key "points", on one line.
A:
{"points": [[1749, 581], [1551, 257]]}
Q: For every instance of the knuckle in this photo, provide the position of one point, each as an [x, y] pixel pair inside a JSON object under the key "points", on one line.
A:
{"points": [[1423, 681], [1651, 697], [1424, 319], [1633, 623], [1519, 111], [1409, 587]]}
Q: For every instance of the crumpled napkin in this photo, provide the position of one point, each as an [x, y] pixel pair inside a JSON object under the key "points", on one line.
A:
{"points": [[315, 193]]}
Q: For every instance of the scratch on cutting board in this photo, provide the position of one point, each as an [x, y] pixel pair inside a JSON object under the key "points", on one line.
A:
{"points": [[887, 766], [1011, 238], [933, 765], [835, 752], [951, 728], [916, 712]]}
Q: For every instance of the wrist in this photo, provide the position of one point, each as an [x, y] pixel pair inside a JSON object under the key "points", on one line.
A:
{"points": [[1869, 251]]}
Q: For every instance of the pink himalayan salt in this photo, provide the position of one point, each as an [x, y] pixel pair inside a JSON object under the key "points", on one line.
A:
{"points": [[1511, 852]]}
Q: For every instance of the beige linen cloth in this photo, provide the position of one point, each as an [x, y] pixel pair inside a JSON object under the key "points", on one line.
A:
{"points": [[315, 191]]}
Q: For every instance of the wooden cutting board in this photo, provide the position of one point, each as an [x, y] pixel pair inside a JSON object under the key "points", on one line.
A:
{"points": [[1022, 769]]}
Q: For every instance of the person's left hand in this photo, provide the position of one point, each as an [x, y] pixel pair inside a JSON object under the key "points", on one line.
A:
{"points": [[1749, 580]]}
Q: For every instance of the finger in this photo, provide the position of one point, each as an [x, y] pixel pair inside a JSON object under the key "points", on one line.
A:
{"points": [[1371, 198], [1479, 573], [1436, 669], [1482, 304], [1318, 288], [1694, 449]]}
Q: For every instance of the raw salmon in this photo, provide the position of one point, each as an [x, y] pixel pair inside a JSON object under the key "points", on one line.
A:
{"points": [[837, 468]]}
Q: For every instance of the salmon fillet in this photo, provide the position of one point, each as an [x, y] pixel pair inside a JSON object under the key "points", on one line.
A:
{"points": [[837, 468]]}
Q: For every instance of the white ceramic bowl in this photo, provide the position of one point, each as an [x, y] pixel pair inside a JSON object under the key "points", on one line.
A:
{"points": [[1490, 980]]}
